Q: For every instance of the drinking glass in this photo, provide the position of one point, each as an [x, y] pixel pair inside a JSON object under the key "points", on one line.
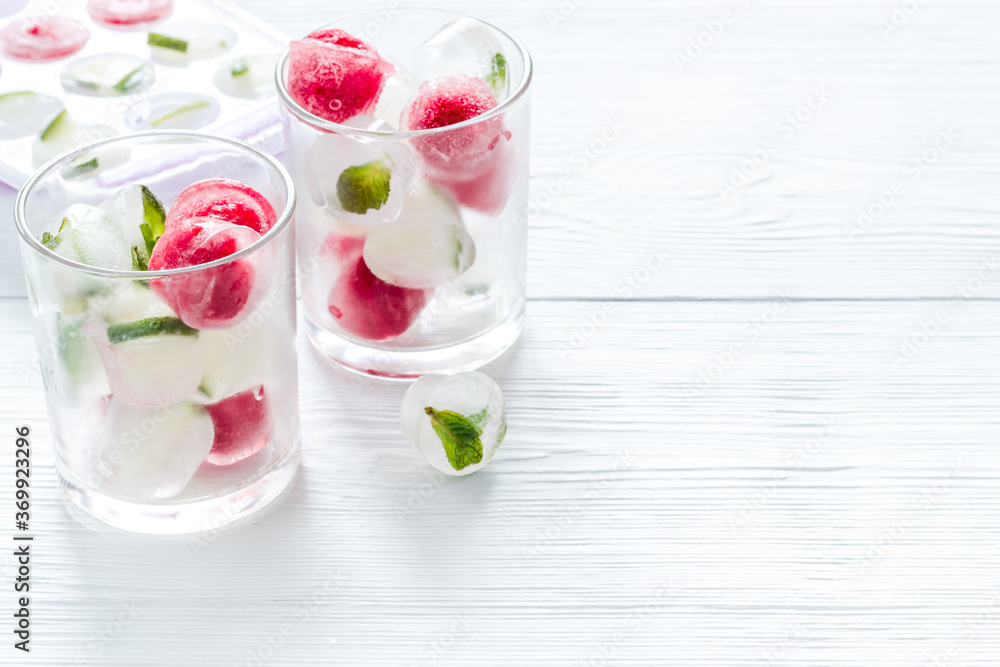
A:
{"points": [[160, 427], [434, 280]]}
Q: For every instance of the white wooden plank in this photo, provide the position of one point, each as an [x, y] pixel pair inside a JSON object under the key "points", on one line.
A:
{"points": [[613, 481]]}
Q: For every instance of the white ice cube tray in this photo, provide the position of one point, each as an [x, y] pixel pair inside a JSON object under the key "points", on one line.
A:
{"points": [[253, 120]]}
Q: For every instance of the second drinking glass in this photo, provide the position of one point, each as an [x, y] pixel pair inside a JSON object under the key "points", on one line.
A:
{"points": [[407, 136]]}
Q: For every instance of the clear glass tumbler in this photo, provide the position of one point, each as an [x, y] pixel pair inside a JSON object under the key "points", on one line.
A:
{"points": [[429, 275], [161, 427]]}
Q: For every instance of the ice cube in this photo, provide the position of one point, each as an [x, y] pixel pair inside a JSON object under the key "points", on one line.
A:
{"points": [[456, 422], [107, 75], [335, 76], [131, 208], [24, 112], [180, 43], [153, 361], [398, 91], [456, 154], [243, 426], [368, 307], [128, 13], [88, 235], [362, 180], [43, 37], [250, 77], [427, 246], [243, 357], [149, 453], [464, 47]]}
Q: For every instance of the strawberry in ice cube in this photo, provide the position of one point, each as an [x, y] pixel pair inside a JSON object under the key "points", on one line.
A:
{"points": [[336, 76], [128, 13], [366, 306], [43, 37], [226, 200], [243, 426], [473, 162], [215, 298]]}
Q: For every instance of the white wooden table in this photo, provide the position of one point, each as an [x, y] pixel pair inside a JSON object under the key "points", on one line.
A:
{"points": [[749, 429]]}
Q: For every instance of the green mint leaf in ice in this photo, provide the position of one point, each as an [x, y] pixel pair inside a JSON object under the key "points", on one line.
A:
{"points": [[154, 219], [180, 111], [76, 170], [49, 241], [364, 187], [497, 78], [165, 42], [151, 326], [460, 437]]}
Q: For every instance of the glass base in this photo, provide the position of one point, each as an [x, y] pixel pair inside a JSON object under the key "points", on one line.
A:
{"points": [[409, 364], [186, 518]]}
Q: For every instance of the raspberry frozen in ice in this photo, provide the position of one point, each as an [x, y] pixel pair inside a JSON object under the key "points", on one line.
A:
{"points": [[368, 307], [336, 76], [128, 13], [43, 37], [226, 200], [214, 298], [243, 426]]}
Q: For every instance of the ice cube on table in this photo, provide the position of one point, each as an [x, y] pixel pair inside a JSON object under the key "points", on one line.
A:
{"points": [[146, 453], [180, 43], [243, 426], [250, 77], [456, 422], [24, 112], [107, 75], [398, 91], [362, 180], [128, 14], [152, 362], [428, 245], [43, 37], [464, 47]]}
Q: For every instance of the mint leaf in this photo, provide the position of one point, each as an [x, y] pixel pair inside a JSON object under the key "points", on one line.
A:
{"points": [[50, 241], [151, 326], [155, 219], [364, 187], [497, 78], [131, 80], [460, 437], [139, 262], [80, 168]]}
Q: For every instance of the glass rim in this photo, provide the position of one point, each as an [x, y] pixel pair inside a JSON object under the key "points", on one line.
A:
{"points": [[307, 116], [284, 217]]}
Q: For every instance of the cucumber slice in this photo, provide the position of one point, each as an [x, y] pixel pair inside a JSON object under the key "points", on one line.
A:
{"points": [[180, 111], [132, 80], [60, 127], [151, 326], [167, 42]]}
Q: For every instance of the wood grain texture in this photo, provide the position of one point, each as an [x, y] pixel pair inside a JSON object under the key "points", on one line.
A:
{"points": [[733, 517], [776, 446]]}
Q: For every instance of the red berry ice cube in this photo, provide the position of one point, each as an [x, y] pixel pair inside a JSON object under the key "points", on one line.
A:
{"points": [[43, 37], [336, 76], [489, 191], [128, 13], [463, 152], [371, 308], [214, 298], [243, 425], [224, 199]]}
